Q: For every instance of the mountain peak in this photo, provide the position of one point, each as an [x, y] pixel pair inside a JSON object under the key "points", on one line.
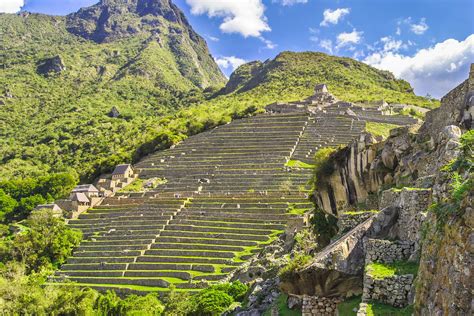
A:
{"points": [[110, 20]]}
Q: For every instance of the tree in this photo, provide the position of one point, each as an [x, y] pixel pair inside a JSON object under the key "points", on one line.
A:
{"points": [[7, 205], [47, 241], [28, 204], [324, 226]]}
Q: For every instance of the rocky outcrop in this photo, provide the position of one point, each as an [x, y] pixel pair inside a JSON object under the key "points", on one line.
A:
{"points": [[445, 276], [110, 20], [356, 175], [50, 66]]}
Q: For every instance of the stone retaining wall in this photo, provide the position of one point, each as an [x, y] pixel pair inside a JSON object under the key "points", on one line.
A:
{"points": [[413, 204], [349, 220], [385, 251], [319, 306], [395, 290]]}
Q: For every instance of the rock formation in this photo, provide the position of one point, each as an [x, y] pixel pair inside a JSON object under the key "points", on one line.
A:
{"points": [[438, 237], [52, 65]]}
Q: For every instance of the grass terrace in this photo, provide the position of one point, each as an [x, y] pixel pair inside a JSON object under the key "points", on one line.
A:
{"points": [[385, 270]]}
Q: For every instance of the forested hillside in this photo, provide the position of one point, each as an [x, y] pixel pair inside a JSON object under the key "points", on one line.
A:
{"points": [[57, 88]]}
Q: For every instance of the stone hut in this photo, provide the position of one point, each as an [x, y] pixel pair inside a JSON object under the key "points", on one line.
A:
{"points": [[57, 211], [114, 112], [80, 199], [321, 88], [122, 172], [89, 190]]}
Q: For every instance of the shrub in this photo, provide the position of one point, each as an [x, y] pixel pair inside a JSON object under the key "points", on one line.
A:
{"points": [[323, 166], [178, 303], [324, 226], [299, 261], [235, 289], [211, 302]]}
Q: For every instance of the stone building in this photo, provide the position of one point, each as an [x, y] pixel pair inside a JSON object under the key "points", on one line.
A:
{"points": [[89, 190], [124, 171], [122, 176], [321, 88], [57, 211]]}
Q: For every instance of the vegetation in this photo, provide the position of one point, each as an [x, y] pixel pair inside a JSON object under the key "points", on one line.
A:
{"points": [[282, 307], [379, 309], [461, 173], [20, 196], [298, 262], [347, 307], [135, 186], [323, 165], [324, 227], [413, 113], [385, 270], [298, 164], [354, 213], [43, 245], [379, 129]]}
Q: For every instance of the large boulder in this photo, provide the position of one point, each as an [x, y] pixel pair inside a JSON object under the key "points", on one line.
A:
{"points": [[50, 66]]}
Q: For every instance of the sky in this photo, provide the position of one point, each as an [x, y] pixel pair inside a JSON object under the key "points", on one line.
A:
{"points": [[429, 43]]}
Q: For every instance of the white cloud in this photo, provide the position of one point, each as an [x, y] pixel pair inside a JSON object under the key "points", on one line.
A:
{"points": [[268, 43], [333, 16], [11, 6], [344, 39], [327, 45], [230, 62], [434, 70], [289, 2], [419, 28], [392, 45], [245, 17], [213, 38]]}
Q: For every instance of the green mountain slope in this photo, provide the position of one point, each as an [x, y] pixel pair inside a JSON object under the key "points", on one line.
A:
{"points": [[63, 75], [289, 77], [294, 75], [58, 84]]}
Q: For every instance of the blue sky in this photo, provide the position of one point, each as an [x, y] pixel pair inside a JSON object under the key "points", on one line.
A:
{"points": [[430, 43]]}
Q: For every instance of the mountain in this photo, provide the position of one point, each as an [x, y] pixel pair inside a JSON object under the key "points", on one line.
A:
{"points": [[288, 77], [120, 79], [61, 76], [293, 75]]}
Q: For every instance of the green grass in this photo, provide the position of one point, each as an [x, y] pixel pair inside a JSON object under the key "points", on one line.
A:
{"points": [[299, 164], [385, 270], [135, 186], [347, 307], [379, 129], [379, 309], [408, 189], [282, 308]]}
